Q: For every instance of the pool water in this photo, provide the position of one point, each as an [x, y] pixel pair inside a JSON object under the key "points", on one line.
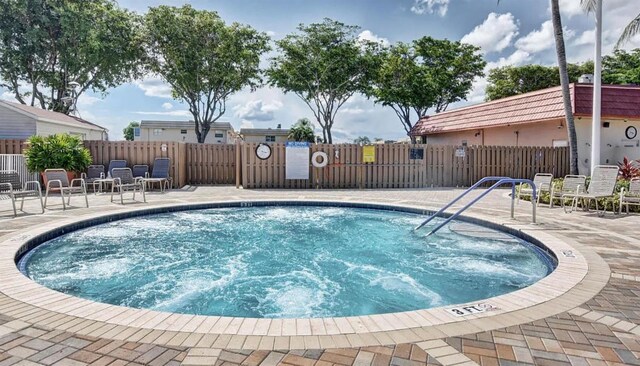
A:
{"points": [[283, 262]]}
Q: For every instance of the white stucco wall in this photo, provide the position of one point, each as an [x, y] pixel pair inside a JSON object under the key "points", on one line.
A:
{"points": [[614, 145], [49, 128], [263, 138], [174, 134]]}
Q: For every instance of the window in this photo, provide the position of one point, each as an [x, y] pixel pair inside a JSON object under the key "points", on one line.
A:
{"points": [[157, 131], [270, 139], [184, 132], [560, 143], [218, 134], [136, 131], [464, 142]]}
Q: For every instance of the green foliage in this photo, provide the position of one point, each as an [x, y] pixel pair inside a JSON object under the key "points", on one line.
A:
{"points": [[362, 140], [428, 73], [622, 67], [324, 64], [203, 59], [62, 151], [612, 203], [128, 131], [302, 131], [515, 80], [46, 44]]}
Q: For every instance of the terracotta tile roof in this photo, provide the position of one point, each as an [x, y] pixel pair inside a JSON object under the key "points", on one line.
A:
{"points": [[538, 106], [48, 115]]}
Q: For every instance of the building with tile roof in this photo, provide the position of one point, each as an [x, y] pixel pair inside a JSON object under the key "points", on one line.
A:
{"points": [[19, 121], [538, 119]]}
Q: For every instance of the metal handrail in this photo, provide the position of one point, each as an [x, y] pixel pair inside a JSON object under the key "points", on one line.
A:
{"points": [[500, 182], [478, 183]]}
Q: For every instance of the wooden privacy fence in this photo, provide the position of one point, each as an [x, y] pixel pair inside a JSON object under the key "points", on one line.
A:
{"points": [[211, 164], [12, 146], [404, 166], [142, 152], [395, 166]]}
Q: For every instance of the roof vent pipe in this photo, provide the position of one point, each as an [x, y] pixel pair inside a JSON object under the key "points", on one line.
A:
{"points": [[586, 79]]}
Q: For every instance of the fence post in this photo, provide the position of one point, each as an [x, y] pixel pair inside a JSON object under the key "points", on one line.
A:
{"points": [[238, 163]]}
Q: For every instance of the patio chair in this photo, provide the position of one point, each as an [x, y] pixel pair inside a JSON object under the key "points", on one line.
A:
{"points": [[630, 196], [140, 171], [93, 175], [58, 181], [160, 174], [113, 164], [570, 184], [602, 185], [11, 186], [542, 182], [124, 181]]}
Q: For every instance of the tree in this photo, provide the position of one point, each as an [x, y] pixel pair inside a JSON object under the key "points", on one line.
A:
{"points": [[47, 47], [514, 80], [428, 73], [622, 67], [630, 30], [362, 140], [302, 131], [564, 83], [128, 131], [203, 59], [324, 64]]}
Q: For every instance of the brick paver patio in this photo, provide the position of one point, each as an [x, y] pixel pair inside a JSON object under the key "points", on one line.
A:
{"points": [[603, 331]]}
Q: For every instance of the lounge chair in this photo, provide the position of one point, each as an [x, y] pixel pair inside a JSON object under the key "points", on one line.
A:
{"points": [[542, 181], [140, 171], [93, 175], [630, 196], [602, 185], [11, 186], [160, 173], [58, 181], [570, 184], [124, 181]]}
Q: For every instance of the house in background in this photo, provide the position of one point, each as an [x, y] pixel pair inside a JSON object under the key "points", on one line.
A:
{"points": [[538, 119], [19, 121], [277, 134], [183, 131]]}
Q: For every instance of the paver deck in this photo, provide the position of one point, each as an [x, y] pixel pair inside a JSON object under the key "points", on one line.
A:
{"points": [[603, 329]]}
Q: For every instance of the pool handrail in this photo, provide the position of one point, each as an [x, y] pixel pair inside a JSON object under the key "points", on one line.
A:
{"points": [[474, 186], [500, 182]]}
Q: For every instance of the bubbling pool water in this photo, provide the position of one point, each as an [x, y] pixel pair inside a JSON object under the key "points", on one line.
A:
{"points": [[282, 262]]}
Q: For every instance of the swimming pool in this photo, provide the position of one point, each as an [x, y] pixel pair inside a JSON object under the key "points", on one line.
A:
{"points": [[284, 262]]}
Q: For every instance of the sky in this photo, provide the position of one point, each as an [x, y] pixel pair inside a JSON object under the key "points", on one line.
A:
{"points": [[512, 32]]}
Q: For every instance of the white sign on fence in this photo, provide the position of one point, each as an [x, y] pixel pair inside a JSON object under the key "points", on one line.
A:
{"points": [[297, 160]]}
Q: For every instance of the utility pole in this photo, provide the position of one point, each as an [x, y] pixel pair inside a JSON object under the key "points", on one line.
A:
{"points": [[596, 124]]}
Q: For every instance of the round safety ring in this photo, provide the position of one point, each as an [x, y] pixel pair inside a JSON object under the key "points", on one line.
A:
{"points": [[324, 159]]}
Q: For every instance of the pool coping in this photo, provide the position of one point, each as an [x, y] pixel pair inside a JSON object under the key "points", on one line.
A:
{"points": [[580, 274]]}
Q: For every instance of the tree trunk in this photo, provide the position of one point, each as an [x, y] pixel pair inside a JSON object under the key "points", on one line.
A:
{"points": [[564, 82], [329, 138]]}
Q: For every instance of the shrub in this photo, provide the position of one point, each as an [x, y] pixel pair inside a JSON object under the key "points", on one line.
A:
{"points": [[62, 151], [628, 170]]}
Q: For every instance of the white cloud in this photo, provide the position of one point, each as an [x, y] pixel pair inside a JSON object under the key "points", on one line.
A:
{"points": [[367, 35], [271, 33], [85, 100], [154, 87], [587, 37], [495, 34], [246, 124], [176, 113], [257, 110], [542, 39], [430, 6], [569, 8], [167, 106]]}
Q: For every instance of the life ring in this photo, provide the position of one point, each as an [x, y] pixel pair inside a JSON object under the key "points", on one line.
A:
{"points": [[323, 162]]}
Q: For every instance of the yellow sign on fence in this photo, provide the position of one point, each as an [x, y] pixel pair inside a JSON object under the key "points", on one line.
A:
{"points": [[368, 154]]}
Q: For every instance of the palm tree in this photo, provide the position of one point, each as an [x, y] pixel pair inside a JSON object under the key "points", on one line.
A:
{"points": [[564, 83], [629, 31]]}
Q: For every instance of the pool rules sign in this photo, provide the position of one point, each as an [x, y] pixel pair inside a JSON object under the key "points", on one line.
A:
{"points": [[297, 160]]}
